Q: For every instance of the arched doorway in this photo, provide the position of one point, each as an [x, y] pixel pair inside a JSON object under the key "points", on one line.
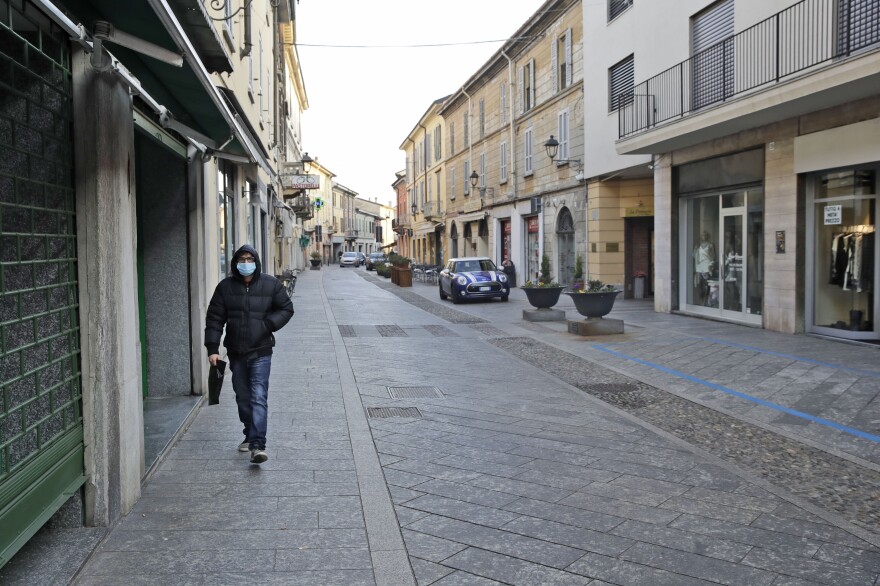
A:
{"points": [[565, 242], [453, 235]]}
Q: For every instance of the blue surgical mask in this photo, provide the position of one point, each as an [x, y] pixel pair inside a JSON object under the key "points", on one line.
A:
{"points": [[247, 268]]}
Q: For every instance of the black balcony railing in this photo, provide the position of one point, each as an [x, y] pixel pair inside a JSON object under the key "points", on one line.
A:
{"points": [[807, 34]]}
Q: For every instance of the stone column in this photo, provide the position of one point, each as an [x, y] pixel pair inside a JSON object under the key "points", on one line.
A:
{"points": [[665, 216], [110, 338]]}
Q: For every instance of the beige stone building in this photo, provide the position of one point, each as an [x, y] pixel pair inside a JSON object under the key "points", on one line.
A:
{"points": [[426, 180], [506, 197], [763, 136]]}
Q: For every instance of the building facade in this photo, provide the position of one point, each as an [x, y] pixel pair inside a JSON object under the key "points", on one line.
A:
{"points": [[762, 132], [127, 184], [505, 197]]}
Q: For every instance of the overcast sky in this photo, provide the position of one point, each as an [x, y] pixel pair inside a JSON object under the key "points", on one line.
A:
{"points": [[364, 101]]}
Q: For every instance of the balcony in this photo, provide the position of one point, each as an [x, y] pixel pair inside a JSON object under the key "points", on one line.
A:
{"points": [[351, 234], [431, 211], [302, 207], [813, 55]]}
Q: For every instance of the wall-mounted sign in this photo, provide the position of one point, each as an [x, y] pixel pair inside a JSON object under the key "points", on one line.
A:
{"points": [[638, 212], [833, 215], [295, 181], [780, 242]]}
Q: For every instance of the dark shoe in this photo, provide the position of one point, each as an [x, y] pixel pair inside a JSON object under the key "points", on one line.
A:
{"points": [[244, 447], [259, 456]]}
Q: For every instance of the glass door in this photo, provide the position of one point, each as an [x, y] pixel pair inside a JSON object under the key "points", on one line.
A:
{"points": [[723, 242]]}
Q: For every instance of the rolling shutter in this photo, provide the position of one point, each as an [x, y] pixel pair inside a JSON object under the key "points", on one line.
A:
{"points": [[712, 62], [621, 78], [712, 26]]}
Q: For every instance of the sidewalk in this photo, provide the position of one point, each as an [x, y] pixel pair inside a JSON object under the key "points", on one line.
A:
{"points": [[528, 456]]}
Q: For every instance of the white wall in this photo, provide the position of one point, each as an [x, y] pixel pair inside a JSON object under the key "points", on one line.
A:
{"points": [[658, 35]]}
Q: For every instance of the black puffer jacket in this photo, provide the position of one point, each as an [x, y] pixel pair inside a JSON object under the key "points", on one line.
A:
{"points": [[250, 311]]}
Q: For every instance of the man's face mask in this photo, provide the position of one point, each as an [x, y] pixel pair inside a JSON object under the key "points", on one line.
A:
{"points": [[246, 265]]}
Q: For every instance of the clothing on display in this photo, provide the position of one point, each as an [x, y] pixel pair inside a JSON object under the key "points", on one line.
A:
{"points": [[852, 259]]}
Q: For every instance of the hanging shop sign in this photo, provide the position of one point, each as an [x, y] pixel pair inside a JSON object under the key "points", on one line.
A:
{"points": [[291, 182]]}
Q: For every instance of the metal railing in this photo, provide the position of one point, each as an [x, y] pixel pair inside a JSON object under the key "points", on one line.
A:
{"points": [[805, 35]]}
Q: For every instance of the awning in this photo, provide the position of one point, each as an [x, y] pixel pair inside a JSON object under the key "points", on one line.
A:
{"points": [[389, 245], [187, 92], [466, 218]]}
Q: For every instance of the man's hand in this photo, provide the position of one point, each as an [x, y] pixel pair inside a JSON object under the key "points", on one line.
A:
{"points": [[213, 358]]}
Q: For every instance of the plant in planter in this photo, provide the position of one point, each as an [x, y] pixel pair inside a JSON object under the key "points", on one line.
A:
{"points": [[401, 272], [578, 282], [315, 258], [594, 298], [545, 293]]}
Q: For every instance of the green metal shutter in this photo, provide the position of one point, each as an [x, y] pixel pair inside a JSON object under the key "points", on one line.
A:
{"points": [[41, 435]]}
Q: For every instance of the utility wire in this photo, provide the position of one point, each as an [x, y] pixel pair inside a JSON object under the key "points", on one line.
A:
{"points": [[416, 46]]}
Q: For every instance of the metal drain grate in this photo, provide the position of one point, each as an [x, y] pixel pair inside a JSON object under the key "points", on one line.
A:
{"points": [[347, 331], [415, 393], [386, 412]]}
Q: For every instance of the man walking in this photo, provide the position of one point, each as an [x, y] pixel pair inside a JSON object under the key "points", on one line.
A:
{"points": [[252, 306]]}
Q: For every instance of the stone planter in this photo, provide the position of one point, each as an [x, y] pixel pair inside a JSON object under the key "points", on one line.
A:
{"points": [[593, 304], [543, 297], [316, 263]]}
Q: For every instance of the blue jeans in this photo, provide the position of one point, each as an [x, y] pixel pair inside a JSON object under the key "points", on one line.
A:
{"points": [[250, 381]]}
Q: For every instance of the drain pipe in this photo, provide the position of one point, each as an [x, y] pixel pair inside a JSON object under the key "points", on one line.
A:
{"points": [[512, 144]]}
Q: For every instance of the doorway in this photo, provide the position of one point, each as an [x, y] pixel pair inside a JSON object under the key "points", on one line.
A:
{"points": [[723, 272], [565, 241]]}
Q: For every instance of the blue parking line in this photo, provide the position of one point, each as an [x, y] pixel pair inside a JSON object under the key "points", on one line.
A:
{"points": [[812, 418]]}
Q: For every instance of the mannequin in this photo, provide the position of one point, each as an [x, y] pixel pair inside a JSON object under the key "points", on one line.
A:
{"points": [[705, 258]]}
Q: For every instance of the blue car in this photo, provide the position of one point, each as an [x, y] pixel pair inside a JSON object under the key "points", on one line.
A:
{"points": [[472, 277]]}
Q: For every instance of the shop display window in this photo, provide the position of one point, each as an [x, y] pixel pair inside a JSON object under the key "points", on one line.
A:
{"points": [[844, 260]]}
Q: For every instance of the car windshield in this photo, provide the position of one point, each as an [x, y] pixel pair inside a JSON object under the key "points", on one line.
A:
{"points": [[349, 255], [470, 266], [377, 255]]}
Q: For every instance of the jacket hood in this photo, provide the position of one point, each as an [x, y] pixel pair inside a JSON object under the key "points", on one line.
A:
{"points": [[234, 265]]}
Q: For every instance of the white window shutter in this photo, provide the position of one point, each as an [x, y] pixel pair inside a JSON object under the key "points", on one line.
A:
{"points": [[532, 91], [569, 69], [554, 64], [520, 92]]}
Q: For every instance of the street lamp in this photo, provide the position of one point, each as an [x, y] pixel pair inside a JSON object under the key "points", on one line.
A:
{"points": [[307, 162], [414, 208], [552, 148], [474, 178]]}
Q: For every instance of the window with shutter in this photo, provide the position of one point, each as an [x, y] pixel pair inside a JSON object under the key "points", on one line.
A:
{"points": [[527, 151], [858, 25], [482, 169], [569, 64], [467, 177], [616, 7], [528, 79], [562, 124], [451, 138], [520, 85], [532, 87], [712, 63], [438, 144], [482, 118], [427, 147], [452, 183], [503, 162], [502, 91], [555, 66], [621, 79], [467, 133]]}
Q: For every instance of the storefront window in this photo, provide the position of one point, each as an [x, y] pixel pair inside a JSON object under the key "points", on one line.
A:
{"points": [[533, 261], [703, 259], [844, 214]]}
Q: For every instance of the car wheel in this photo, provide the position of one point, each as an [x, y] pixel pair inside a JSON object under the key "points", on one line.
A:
{"points": [[455, 298], [442, 294]]}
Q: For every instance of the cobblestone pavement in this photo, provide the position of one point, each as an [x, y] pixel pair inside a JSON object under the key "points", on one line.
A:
{"points": [[523, 459]]}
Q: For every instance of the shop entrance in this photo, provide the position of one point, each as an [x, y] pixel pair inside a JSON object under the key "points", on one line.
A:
{"points": [[724, 268]]}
